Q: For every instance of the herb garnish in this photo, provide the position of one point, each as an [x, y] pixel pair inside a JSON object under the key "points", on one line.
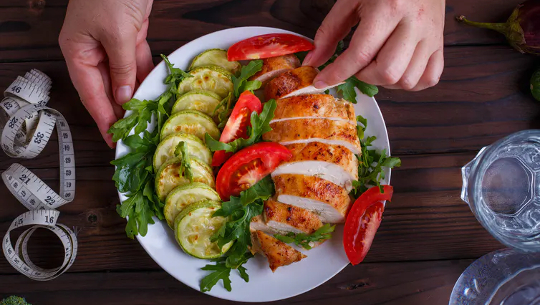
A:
{"points": [[239, 212], [304, 240]]}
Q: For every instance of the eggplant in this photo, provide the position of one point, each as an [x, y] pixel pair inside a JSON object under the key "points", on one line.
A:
{"points": [[522, 29]]}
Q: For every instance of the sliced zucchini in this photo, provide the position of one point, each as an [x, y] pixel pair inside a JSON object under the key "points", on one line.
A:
{"points": [[191, 122], [216, 57], [185, 195], [200, 100], [194, 226], [196, 149], [168, 176], [211, 78]]}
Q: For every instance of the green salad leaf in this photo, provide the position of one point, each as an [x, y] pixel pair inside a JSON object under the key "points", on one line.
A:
{"points": [[260, 124], [239, 211], [371, 163], [241, 83], [134, 175], [304, 240], [347, 89]]}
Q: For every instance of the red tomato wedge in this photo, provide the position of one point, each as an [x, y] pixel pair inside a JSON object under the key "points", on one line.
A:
{"points": [[268, 45], [237, 125], [363, 221], [248, 166]]}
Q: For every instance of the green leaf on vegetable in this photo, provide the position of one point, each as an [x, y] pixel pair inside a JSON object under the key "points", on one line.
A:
{"points": [[304, 240], [241, 83]]}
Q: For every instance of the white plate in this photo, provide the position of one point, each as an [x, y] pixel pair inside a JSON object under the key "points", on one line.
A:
{"points": [[322, 262]]}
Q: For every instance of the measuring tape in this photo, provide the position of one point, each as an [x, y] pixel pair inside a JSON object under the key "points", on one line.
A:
{"points": [[27, 127]]}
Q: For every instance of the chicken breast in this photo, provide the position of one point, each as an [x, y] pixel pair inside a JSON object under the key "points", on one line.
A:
{"points": [[277, 252], [258, 224], [275, 66], [284, 217], [289, 82], [328, 200], [334, 163], [310, 130], [314, 106]]}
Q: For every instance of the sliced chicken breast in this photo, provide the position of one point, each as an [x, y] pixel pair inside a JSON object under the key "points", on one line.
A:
{"points": [[310, 130], [258, 224], [284, 217], [314, 106], [289, 82], [275, 66], [277, 252], [334, 163], [328, 200]]}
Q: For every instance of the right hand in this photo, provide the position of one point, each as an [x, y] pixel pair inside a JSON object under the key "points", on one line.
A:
{"points": [[104, 44]]}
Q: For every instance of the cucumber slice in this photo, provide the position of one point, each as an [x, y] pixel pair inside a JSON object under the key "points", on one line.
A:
{"points": [[185, 195], [196, 149], [168, 176], [211, 78], [216, 57], [200, 100], [191, 122], [194, 226]]}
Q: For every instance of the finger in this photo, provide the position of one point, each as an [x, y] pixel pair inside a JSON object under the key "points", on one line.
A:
{"points": [[144, 61], [433, 71], [104, 71], [89, 84], [416, 67], [121, 51], [335, 26], [143, 54], [393, 58], [367, 40]]}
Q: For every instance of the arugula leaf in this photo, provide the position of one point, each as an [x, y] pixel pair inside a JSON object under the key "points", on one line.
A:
{"points": [[260, 124], [185, 165], [241, 83], [226, 105], [347, 89], [371, 163], [176, 75], [304, 240], [139, 118], [238, 211]]}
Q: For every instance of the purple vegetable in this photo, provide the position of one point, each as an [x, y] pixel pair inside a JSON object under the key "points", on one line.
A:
{"points": [[522, 29]]}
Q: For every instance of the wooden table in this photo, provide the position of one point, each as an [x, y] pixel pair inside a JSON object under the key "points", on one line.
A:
{"points": [[428, 236]]}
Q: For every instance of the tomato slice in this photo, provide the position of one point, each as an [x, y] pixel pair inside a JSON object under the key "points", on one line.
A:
{"points": [[237, 124], [248, 166], [268, 45], [363, 221]]}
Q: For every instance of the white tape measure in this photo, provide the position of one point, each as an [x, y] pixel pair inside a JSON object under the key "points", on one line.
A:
{"points": [[27, 127]]}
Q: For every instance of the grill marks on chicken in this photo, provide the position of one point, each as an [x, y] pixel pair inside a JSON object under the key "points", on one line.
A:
{"points": [[277, 252], [288, 218], [314, 106], [275, 66]]}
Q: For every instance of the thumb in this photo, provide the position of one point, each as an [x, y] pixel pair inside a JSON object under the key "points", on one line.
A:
{"points": [[121, 52]]}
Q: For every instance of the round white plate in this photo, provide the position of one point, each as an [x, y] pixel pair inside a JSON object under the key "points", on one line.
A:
{"points": [[322, 262]]}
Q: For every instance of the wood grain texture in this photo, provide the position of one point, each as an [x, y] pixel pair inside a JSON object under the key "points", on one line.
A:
{"points": [[29, 28], [381, 284]]}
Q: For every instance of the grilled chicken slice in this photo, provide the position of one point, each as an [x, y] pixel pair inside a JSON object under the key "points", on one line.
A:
{"points": [[258, 224], [328, 200], [284, 217], [277, 252], [314, 106], [275, 66], [310, 130], [295, 82], [334, 163]]}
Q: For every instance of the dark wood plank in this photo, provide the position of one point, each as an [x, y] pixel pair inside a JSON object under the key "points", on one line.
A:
{"points": [[426, 220], [388, 284], [29, 29]]}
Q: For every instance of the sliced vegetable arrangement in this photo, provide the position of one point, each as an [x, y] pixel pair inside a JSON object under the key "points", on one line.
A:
{"points": [[231, 180]]}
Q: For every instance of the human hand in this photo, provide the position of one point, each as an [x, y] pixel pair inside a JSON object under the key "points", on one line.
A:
{"points": [[104, 44], [397, 44]]}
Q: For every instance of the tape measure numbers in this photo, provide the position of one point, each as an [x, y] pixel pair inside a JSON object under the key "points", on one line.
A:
{"points": [[27, 127]]}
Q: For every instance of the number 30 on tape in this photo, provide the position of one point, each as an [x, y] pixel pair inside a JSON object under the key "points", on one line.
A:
{"points": [[27, 127]]}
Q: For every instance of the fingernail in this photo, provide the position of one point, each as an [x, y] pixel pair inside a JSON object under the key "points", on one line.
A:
{"points": [[307, 59], [123, 94], [320, 84]]}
